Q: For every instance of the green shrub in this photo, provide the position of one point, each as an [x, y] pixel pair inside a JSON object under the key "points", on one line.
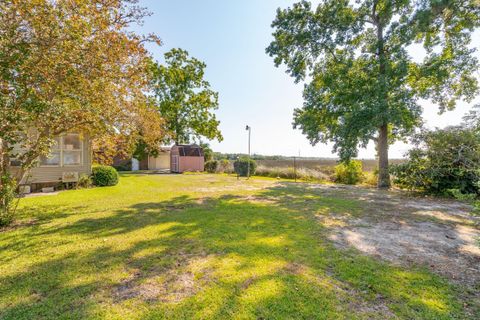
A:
{"points": [[84, 181], [371, 178], [8, 193], [225, 166], [444, 162], [241, 166], [211, 166], [457, 194], [127, 166], [349, 172], [104, 176]]}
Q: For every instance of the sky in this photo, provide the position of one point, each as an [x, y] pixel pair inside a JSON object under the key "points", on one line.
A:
{"points": [[231, 37]]}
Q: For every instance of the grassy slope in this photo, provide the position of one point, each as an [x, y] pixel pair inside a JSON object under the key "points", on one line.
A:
{"points": [[200, 246]]}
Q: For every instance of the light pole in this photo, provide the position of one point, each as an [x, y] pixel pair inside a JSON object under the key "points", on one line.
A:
{"points": [[249, 129]]}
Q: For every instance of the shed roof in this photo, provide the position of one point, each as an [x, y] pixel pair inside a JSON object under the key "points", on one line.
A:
{"points": [[189, 150]]}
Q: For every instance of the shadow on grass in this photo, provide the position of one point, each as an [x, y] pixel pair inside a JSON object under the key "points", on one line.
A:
{"points": [[221, 257]]}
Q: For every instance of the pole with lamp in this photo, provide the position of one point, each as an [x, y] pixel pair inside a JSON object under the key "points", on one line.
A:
{"points": [[249, 129]]}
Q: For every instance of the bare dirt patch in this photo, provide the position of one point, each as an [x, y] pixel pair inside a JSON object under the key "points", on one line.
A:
{"points": [[240, 185], [377, 308], [189, 275], [439, 234]]}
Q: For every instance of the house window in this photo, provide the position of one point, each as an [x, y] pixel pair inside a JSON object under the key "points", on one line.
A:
{"points": [[53, 159], [72, 150], [67, 151]]}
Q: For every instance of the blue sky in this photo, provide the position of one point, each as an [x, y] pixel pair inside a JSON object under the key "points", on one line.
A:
{"points": [[230, 36]]}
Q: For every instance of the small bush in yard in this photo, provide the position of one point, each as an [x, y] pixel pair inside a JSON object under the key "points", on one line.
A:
{"points": [[211, 166], [241, 166], [225, 166], [103, 176], [371, 178], [349, 172], [84, 181]]}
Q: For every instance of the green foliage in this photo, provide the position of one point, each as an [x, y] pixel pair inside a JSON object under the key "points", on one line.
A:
{"points": [[241, 166], [84, 181], [225, 166], [350, 172], [363, 83], [207, 151], [457, 194], [127, 166], [411, 175], [370, 178], [103, 176], [211, 166], [444, 162], [142, 150], [184, 99], [70, 66], [8, 193]]}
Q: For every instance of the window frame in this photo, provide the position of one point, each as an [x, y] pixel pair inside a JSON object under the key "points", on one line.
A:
{"points": [[80, 140], [61, 149]]}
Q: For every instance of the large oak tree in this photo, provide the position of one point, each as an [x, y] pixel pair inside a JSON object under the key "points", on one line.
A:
{"points": [[367, 64]]}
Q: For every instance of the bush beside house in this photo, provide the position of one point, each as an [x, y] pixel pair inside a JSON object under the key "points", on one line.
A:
{"points": [[84, 181], [103, 176]]}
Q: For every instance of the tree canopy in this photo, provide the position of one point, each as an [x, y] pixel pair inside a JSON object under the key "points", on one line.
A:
{"points": [[184, 98], [70, 65], [444, 161], [368, 63]]}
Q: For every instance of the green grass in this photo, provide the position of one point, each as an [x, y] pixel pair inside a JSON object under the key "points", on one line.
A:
{"points": [[200, 247]]}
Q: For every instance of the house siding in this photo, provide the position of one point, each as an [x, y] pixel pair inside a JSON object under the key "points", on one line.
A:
{"points": [[46, 174]]}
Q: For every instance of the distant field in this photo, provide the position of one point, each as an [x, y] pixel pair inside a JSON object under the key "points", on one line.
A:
{"points": [[320, 164]]}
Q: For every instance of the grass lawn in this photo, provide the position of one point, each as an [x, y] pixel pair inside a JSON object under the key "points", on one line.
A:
{"points": [[202, 247]]}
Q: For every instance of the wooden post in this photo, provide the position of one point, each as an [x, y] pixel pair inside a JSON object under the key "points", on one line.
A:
{"points": [[295, 168]]}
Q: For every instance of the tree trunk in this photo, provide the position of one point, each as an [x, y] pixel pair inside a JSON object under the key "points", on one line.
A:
{"points": [[4, 159], [382, 150], [382, 143]]}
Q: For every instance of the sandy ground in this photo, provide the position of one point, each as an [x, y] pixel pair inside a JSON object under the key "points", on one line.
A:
{"points": [[439, 234]]}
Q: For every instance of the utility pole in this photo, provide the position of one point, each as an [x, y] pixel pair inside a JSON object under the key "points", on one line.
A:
{"points": [[238, 173], [295, 165], [249, 129]]}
